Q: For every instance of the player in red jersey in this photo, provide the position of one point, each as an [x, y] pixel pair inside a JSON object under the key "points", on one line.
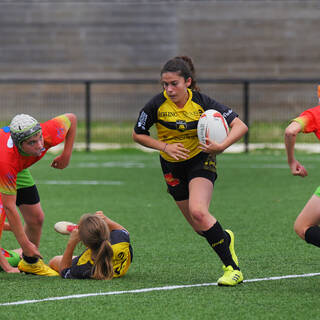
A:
{"points": [[307, 223], [22, 144]]}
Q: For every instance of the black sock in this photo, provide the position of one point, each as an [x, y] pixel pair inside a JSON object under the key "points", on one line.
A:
{"points": [[312, 236], [219, 240], [30, 259]]}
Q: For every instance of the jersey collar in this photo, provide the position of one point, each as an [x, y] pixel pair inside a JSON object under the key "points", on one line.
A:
{"points": [[172, 103]]}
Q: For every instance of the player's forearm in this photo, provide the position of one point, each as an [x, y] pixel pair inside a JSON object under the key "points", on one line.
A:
{"points": [[16, 225], [290, 139], [112, 225], [290, 143], [71, 135], [148, 141], [66, 260], [238, 130]]}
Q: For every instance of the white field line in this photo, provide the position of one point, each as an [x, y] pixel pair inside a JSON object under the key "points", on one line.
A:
{"points": [[85, 295], [235, 148]]}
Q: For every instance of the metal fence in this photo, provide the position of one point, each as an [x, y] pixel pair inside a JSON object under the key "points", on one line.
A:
{"points": [[107, 109]]}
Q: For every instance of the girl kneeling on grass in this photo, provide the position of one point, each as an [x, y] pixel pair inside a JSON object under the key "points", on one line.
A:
{"points": [[108, 253]]}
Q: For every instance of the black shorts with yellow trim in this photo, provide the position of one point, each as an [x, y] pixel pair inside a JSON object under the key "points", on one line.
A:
{"points": [[179, 174]]}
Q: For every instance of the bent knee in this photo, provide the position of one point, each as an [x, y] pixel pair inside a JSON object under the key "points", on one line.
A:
{"points": [[54, 263], [199, 215], [35, 222], [39, 220], [300, 230]]}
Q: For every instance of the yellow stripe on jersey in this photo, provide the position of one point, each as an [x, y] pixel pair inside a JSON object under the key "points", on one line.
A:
{"points": [[179, 125], [85, 258], [64, 119]]}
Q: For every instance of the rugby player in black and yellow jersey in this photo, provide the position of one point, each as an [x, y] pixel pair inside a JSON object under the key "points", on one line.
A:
{"points": [[108, 252], [189, 167]]}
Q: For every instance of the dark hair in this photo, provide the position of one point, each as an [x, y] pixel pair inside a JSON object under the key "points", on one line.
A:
{"points": [[183, 65], [94, 233]]}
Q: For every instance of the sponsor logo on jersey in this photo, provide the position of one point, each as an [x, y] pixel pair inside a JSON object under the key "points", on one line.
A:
{"points": [[165, 114], [210, 164], [226, 114], [10, 143], [142, 120], [170, 114]]}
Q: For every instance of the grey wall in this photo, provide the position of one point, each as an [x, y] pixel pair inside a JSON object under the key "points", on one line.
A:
{"points": [[133, 39]]}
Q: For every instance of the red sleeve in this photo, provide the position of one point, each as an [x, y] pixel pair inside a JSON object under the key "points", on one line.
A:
{"points": [[310, 120], [8, 179], [55, 130]]}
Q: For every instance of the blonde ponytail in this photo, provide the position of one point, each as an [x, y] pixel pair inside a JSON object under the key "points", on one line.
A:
{"points": [[103, 267], [94, 233]]}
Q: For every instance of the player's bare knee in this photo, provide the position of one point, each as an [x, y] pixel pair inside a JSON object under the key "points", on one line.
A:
{"points": [[36, 222], [299, 230], [198, 215]]}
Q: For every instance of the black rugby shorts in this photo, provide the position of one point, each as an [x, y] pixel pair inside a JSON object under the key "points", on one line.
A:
{"points": [[28, 195], [179, 174]]}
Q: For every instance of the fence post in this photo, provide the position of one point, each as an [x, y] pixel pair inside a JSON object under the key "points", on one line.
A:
{"points": [[88, 115], [246, 112]]}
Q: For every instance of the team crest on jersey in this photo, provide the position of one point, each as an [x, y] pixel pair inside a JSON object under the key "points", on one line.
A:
{"points": [[181, 125]]}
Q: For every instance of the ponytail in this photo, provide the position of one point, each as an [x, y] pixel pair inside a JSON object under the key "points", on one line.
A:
{"points": [[94, 233], [103, 267]]}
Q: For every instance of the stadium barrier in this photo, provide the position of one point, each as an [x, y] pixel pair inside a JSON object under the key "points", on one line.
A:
{"points": [[108, 108]]}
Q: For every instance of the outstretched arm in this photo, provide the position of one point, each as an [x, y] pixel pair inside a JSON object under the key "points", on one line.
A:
{"points": [[62, 161], [291, 133]]}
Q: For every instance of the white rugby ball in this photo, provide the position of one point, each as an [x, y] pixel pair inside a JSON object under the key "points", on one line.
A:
{"points": [[65, 227], [212, 125]]}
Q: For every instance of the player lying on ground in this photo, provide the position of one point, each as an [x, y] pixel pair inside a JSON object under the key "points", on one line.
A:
{"points": [[108, 253], [307, 223], [22, 144]]}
